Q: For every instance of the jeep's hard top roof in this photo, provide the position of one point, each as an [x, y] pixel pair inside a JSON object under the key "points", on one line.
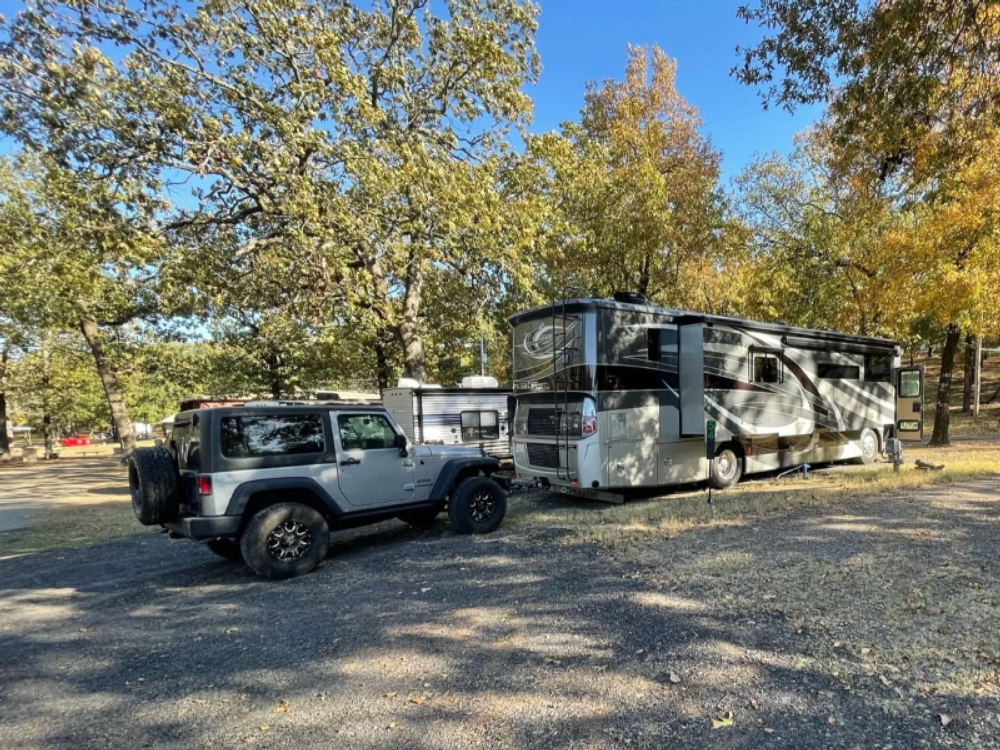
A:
{"points": [[276, 408]]}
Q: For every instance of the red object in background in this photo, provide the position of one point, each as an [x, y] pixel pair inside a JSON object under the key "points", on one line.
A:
{"points": [[69, 442]]}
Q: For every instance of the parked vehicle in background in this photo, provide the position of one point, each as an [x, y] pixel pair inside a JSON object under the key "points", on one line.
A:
{"points": [[474, 414], [266, 483], [618, 393]]}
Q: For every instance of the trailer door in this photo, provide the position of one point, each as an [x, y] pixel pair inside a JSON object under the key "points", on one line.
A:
{"points": [[909, 404]]}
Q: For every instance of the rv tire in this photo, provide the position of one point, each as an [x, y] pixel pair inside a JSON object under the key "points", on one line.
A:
{"points": [[868, 442], [727, 467]]}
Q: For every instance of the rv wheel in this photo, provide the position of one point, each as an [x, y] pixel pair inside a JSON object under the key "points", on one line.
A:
{"points": [[868, 443], [727, 468]]}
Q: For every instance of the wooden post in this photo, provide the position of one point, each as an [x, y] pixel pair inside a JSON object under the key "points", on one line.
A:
{"points": [[979, 366]]}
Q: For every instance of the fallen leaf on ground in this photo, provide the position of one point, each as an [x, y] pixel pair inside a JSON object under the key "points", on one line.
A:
{"points": [[945, 719], [675, 678], [865, 651], [230, 631], [770, 597], [282, 707], [264, 727], [725, 721], [754, 704], [418, 699], [640, 650], [392, 725], [391, 695]]}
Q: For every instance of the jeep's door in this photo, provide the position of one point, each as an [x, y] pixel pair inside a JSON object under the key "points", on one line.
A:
{"points": [[909, 404], [372, 471]]}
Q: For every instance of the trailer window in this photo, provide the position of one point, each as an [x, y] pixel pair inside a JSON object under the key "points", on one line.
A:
{"points": [[765, 368], [832, 371], [480, 425], [878, 368]]}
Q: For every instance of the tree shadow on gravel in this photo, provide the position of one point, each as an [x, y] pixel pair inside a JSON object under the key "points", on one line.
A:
{"points": [[432, 640]]}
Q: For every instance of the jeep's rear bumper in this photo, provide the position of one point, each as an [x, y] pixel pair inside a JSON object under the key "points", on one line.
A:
{"points": [[201, 528]]}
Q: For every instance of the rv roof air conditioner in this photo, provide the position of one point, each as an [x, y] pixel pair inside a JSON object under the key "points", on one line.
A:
{"points": [[630, 298], [480, 381], [407, 383]]}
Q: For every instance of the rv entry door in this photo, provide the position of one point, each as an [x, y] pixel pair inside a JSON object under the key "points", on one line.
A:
{"points": [[909, 404]]}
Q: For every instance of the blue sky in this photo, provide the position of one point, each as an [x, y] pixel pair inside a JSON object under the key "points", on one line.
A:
{"points": [[585, 40]]}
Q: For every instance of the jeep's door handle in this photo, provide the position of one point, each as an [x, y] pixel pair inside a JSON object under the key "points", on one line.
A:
{"points": [[350, 462]]}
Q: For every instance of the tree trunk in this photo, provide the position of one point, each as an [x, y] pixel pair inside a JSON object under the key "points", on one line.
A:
{"points": [[4, 363], [276, 381], [942, 414], [109, 379], [644, 276], [969, 372], [414, 363], [381, 362]]}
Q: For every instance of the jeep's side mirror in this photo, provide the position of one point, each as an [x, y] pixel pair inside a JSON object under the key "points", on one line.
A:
{"points": [[401, 443]]}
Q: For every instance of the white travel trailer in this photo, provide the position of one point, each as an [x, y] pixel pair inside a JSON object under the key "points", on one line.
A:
{"points": [[475, 414], [618, 393]]}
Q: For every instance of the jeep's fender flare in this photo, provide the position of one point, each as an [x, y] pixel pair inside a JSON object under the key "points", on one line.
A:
{"points": [[455, 466], [241, 497]]}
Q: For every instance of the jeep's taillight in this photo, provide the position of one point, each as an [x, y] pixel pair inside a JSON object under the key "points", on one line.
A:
{"points": [[204, 485], [589, 425]]}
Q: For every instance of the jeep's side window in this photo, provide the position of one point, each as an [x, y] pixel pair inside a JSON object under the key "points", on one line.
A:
{"points": [[254, 436], [480, 425], [365, 432]]}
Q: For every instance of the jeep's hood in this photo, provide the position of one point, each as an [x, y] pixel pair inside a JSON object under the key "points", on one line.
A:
{"points": [[446, 451]]}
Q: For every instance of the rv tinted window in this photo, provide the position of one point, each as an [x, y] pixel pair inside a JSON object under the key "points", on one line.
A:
{"points": [[878, 368], [365, 432], [765, 368], [254, 436], [909, 384], [480, 425], [841, 372]]}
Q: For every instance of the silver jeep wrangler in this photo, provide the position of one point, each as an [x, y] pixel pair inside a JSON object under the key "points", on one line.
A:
{"points": [[266, 483]]}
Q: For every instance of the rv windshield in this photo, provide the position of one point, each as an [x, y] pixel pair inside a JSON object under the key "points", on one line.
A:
{"points": [[550, 346]]}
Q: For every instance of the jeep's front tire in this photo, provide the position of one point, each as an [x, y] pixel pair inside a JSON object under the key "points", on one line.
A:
{"points": [[152, 484], [420, 519], [228, 549], [284, 541], [477, 506]]}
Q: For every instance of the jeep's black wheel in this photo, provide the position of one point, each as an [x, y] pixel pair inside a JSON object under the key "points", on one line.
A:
{"points": [[422, 518], [227, 548], [477, 506], [152, 483], [284, 541]]}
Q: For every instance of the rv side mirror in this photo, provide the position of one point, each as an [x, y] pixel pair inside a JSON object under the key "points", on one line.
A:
{"points": [[401, 443]]}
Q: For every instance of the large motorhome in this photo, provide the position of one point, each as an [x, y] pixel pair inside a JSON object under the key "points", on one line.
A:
{"points": [[475, 413], [618, 393]]}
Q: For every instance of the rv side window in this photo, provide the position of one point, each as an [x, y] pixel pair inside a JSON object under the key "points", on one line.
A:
{"points": [[833, 371], [765, 368], [480, 425], [878, 368]]}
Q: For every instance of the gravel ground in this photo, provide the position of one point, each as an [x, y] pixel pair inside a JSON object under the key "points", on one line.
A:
{"points": [[427, 639]]}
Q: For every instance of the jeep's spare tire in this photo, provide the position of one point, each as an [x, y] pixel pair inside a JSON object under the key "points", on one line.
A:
{"points": [[152, 483]]}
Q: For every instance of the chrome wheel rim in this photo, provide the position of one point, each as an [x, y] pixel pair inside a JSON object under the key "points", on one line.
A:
{"points": [[289, 541], [868, 447], [725, 465], [482, 506]]}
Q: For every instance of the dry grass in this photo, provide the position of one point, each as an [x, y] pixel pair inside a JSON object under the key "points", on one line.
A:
{"points": [[71, 525], [963, 423], [643, 521]]}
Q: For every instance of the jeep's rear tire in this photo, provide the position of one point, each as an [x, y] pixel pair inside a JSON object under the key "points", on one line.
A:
{"points": [[421, 519], [477, 506], [226, 548], [152, 483], [285, 540]]}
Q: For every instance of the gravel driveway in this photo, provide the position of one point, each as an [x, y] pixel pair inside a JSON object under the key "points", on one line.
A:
{"points": [[429, 640]]}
